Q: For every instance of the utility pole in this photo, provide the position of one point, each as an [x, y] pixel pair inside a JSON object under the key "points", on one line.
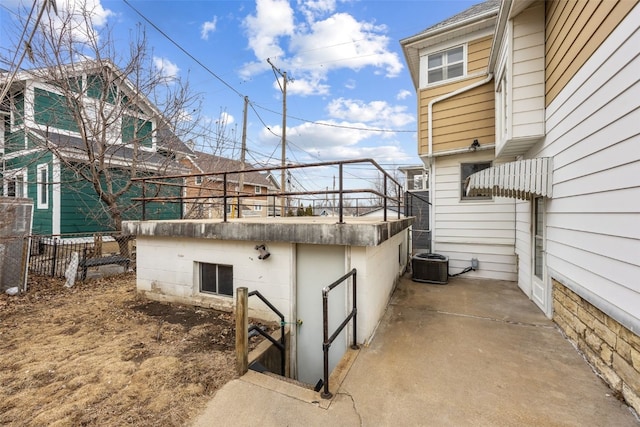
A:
{"points": [[243, 150], [283, 88]]}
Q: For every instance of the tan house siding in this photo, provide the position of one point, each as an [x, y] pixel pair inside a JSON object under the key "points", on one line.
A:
{"points": [[574, 30], [478, 55], [459, 120]]}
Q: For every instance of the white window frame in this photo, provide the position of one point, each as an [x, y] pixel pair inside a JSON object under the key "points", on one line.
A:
{"points": [[258, 189], [198, 180], [42, 187], [257, 208], [445, 65], [11, 176]]}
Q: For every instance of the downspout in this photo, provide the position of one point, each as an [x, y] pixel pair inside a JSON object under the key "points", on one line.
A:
{"points": [[442, 98], [430, 145]]}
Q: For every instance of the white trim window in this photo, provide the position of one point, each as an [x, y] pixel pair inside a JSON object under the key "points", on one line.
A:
{"points": [[198, 180], [258, 189], [42, 187], [257, 208], [446, 65], [15, 184]]}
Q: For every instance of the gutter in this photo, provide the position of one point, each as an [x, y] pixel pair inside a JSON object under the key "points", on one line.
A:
{"points": [[442, 98]]}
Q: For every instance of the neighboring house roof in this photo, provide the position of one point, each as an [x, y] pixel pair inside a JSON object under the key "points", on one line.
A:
{"points": [[117, 155], [379, 211], [211, 163]]}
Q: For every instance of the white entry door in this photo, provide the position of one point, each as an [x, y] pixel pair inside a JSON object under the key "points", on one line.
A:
{"points": [[317, 267], [539, 284]]}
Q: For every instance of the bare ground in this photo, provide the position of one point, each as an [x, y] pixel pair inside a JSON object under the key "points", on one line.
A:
{"points": [[97, 354]]}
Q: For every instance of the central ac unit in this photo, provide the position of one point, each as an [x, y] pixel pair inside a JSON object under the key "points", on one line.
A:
{"points": [[430, 268]]}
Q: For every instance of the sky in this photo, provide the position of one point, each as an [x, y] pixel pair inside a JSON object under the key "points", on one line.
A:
{"points": [[349, 96]]}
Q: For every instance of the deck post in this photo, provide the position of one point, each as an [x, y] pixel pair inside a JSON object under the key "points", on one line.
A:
{"points": [[242, 331]]}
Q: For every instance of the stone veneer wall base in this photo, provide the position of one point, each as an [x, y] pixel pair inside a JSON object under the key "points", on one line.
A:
{"points": [[612, 350]]}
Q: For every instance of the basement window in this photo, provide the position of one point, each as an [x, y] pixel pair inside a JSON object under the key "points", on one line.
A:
{"points": [[216, 279]]}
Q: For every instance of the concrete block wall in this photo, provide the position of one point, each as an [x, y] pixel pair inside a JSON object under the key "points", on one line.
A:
{"points": [[612, 349]]}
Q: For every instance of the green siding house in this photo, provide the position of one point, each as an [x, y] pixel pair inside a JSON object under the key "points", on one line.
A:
{"points": [[73, 145]]}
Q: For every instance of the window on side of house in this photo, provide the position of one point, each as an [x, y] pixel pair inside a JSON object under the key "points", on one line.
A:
{"points": [[16, 184], [445, 65], [216, 279], [258, 189], [43, 186], [466, 170], [198, 180], [257, 207]]}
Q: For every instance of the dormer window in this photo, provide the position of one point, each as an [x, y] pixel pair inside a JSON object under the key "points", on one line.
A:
{"points": [[445, 65]]}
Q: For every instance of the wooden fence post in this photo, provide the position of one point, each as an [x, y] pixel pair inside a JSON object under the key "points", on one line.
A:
{"points": [[242, 330]]}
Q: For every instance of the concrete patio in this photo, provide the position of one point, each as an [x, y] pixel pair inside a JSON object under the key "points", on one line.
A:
{"points": [[473, 352]]}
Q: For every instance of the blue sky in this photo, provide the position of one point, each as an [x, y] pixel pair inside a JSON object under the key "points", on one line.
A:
{"points": [[348, 72]]}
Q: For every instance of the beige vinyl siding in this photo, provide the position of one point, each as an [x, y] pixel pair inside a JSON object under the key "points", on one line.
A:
{"points": [[478, 55], [472, 229], [574, 30], [593, 131], [468, 115], [453, 130], [527, 93]]}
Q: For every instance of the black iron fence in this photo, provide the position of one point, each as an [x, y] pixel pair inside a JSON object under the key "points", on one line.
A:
{"points": [[51, 255]]}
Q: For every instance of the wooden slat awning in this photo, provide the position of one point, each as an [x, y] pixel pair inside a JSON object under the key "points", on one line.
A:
{"points": [[521, 179]]}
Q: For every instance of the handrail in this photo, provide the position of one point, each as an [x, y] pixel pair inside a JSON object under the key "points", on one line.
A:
{"points": [[226, 194], [327, 341], [281, 344]]}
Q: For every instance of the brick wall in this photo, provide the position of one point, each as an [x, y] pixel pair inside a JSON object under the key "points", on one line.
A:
{"points": [[612, 349]]}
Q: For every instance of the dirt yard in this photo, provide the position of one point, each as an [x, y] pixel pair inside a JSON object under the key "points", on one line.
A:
{"points": [[97, 354]]}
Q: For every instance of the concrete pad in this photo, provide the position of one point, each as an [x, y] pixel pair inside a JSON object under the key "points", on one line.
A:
{"points": [[473, 352]]}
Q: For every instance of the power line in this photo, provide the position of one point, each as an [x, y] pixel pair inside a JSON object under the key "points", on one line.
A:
{"points": [[176, 44], [340, 126]]}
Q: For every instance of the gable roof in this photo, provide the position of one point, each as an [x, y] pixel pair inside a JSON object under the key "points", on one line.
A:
{"points": [[476, 18], [206, 162], [488, 8]]}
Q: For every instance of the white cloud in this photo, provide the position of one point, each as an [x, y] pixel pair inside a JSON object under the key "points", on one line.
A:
{"points": [[72, 16], [226, 118], [403, 94], [208, 27], [378, 113], [167, 69], [273, 19], [314, 8], [311, 50], [306, 87]]}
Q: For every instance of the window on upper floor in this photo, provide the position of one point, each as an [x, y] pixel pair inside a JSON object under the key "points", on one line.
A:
{"points": [[43, 186], [445, 65], [466, 170], [258, 189], [198, 180]]}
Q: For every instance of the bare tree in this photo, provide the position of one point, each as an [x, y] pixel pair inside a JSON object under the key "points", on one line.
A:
{"points": [[125, 118]]}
